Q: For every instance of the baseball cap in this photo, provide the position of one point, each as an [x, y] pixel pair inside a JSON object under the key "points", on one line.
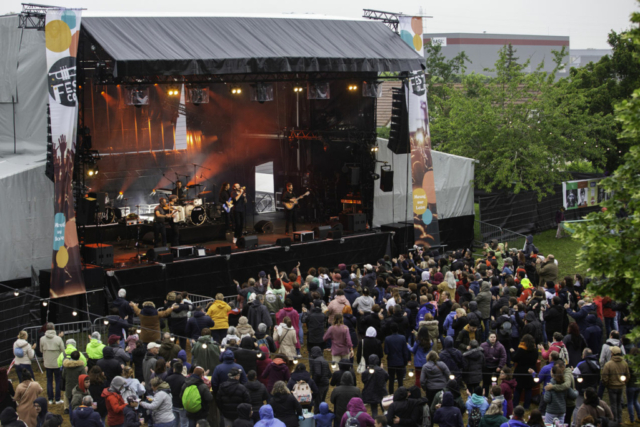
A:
{"points": [[152, 345]]}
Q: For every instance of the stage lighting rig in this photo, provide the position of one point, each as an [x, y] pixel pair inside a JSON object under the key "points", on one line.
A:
{"points": [[92, 170], [236, 90], [173, 91], [374, 149], [297, 88], [352, 87]]}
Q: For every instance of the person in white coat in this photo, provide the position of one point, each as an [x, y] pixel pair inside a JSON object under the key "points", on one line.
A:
{"points": [[23, 353]]}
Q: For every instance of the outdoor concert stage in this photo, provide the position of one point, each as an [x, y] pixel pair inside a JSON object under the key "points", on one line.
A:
{"points": [[213, 273]]}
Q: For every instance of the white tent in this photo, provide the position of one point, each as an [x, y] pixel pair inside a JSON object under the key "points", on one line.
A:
{"points": [[453, 180], [26, 211]]}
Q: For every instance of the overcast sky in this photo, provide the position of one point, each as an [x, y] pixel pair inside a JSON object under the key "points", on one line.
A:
{"points": [[587, 22]]}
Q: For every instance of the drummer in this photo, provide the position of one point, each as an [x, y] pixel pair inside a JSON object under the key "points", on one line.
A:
{"points": [[179, 192]]}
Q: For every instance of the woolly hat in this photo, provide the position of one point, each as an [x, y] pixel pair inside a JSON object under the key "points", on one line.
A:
{"points": [[113, 339]]}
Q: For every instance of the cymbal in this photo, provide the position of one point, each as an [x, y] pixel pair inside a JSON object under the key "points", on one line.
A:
{"points": [[204, 192], [194, 185]]}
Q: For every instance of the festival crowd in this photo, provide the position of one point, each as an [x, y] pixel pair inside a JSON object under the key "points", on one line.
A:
{"points": [[488, 337]]}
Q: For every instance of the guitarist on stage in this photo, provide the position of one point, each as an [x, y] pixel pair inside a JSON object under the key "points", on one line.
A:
{"points": [[223, 199], [239, 199], [289, 214]]}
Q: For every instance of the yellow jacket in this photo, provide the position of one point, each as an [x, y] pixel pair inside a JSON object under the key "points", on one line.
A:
{"points": [[218, 311]]}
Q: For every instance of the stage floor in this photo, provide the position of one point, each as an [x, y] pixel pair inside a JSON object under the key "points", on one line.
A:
{"points": [[125, 254]]}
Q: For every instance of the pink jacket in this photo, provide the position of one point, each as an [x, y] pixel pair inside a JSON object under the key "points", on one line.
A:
{"points": [[336, 306], [340, 340]]}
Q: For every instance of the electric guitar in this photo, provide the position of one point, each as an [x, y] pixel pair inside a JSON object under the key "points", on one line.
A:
{"points": [[229, 204], [293, 202]]}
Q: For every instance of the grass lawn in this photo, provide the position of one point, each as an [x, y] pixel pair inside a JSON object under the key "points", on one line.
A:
{"points": [[564, 250]]}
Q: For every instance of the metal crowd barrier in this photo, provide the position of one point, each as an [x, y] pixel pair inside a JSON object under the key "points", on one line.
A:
{"points": [[489, 232], [79, 331]]}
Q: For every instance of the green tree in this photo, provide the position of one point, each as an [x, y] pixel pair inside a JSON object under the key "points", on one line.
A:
{"points": [[442, 73], [523, 128], [611, 240], [610, 80]]}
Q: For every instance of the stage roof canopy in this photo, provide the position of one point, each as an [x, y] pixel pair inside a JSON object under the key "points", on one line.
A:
{"points": [[234, 45]]}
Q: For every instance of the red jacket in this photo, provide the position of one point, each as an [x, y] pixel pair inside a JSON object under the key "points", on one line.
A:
{"points": [[598, 301], [607, 310], [115, 407], [554, 346]]}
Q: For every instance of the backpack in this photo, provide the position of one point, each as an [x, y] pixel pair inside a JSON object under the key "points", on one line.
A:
{"points": [[505, 328], [18, 352], [302, 392], [474, 417], [564, 354], [263, 341], [191, 399], [352, 421]]}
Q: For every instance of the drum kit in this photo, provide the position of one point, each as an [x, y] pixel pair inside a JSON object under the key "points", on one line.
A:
{"points": [[194, 211]]}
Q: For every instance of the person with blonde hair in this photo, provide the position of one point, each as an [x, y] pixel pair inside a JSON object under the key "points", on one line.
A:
{"points": [[285, 406], [23, 353], [218, 312], [493, 417]]}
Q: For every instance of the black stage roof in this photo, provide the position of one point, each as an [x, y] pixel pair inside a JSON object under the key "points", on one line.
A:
{"points": [[235, 45]]}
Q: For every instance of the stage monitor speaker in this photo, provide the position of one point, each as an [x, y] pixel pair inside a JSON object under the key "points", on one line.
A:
{"points": [[386, 179], [265, 227], [223, 250], [335, 234], [93, 277], [284, 241], [336, 225], [399, 129], [248, 242], [322, 231], [86, 213], [354, 222], [98, 254], [161, 254], [354, 175]]}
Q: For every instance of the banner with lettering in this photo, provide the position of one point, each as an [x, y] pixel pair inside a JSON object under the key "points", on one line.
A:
{"points": [[62, 31], [583, 193], [425, 212]]}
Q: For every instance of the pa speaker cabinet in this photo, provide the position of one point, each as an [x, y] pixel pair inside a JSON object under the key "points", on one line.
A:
{"points": [[161, 254], [386, 180], [321, 232], [335, 234], [248, 242], [98, 254], [302, 236], [403, 237], [265, 227], [354, 222]]}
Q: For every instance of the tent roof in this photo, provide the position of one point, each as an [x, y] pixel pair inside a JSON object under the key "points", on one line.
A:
{"points": [[190, 45]]}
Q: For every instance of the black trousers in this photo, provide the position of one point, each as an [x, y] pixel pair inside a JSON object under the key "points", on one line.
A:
{"points": [[227, 220], [159, 234], [290, 216], [175, 234], [238, 217]]}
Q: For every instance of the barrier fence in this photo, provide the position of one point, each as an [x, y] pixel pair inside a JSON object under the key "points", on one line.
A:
{"points": [[489, 232]]}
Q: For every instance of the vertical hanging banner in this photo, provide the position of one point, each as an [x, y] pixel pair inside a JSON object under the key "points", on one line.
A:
{"points": [[425, 213], [62, 31]]}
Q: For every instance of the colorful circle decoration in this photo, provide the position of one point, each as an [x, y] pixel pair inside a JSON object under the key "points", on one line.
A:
{"points": [[427, 217], [416, 25], [407, 37], [417, 41], [419, 201], [62, 257], [57, 36], [69, 18]]}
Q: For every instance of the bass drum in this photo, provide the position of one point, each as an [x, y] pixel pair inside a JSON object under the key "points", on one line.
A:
{"points": [[195, 214]]}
